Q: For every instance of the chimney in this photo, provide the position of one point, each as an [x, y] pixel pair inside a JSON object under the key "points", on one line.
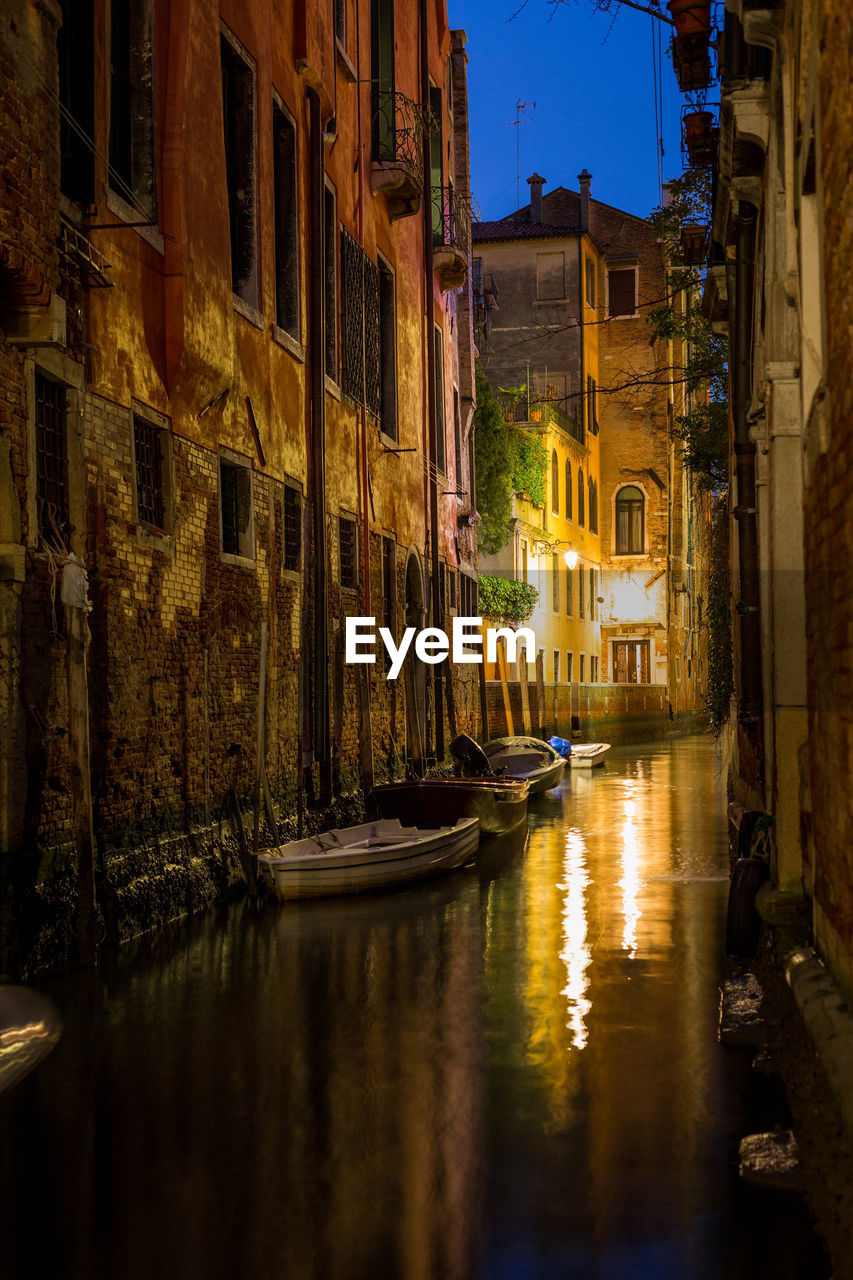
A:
{"points": [[536, 185], [584, 178]]}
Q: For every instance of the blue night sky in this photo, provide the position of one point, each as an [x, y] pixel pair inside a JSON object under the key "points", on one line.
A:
{"points": [[590, 75]]}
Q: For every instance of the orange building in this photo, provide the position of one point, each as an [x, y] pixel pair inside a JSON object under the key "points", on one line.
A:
{"points": [[237, 345]]}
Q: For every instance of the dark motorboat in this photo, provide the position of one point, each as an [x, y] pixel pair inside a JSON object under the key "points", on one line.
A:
{"points": [[499, 803], [516, 757]]}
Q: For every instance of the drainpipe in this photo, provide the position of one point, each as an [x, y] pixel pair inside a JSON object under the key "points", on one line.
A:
{"points": [[437, 605], [317, 394], [744, 452]]}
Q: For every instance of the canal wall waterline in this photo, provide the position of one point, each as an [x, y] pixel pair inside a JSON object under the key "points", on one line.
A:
{"points": [[616, 713]]}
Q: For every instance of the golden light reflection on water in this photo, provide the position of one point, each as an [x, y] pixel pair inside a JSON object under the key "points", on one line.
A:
{"points": [[576, 955], [630, 882]]}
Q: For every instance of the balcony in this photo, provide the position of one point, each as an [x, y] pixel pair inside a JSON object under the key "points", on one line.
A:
{"points": [[524, 411], [486, 300], [451, 235], [397, 167]]}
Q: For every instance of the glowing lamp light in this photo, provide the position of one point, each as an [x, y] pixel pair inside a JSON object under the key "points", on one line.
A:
{"points": [[571, 558]]}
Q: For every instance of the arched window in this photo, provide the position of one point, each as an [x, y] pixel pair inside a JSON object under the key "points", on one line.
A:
{"points": [[555, 483], [630, 521], [581, 495], [569, 487], [593, 506]]}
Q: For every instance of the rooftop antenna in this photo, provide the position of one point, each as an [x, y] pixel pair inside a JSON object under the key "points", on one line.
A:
{"points": [[519, 107]]}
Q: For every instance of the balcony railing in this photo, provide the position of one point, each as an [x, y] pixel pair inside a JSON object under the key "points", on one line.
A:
{"points": [[451, 219], [540, 413], [399, 128]]}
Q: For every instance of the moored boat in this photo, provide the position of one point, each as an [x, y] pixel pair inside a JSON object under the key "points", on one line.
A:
{"points": [[514, 757], [586, 755], [500, 804], [375, 855]]}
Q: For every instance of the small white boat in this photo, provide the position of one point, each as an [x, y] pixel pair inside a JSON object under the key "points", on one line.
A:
{"points": [[376, 855], [585, 755], [524, 757]]}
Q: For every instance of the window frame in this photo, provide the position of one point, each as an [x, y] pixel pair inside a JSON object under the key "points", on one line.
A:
{"points": [[292, 486], [160, 424], [555, 483], [288, 333], [347, 518], [331, 285], [227, 458], [248, 306], [389, 384], [616, 267], [628, 551]]}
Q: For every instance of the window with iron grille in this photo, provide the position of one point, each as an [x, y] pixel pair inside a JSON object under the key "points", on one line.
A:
{"points": [[292, 529], [235, 490], [348, 552], [51, 461], [368, 346], [149, 446]]}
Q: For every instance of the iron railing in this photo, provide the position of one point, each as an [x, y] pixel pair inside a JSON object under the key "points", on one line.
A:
{"points": [[539, 413], [361, 356], [399, 129], [451, 219]]}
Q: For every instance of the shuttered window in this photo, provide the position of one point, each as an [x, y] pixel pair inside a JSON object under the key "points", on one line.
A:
{"points": [[622, 291]]}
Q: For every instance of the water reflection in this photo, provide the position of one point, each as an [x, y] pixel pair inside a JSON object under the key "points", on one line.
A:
{"points": [[507, 1073], [576, 955]]}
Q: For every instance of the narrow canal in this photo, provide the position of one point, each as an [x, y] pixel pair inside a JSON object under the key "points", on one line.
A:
{"points": [[513, 1072]]}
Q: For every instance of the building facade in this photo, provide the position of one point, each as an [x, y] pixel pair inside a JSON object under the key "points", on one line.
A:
{"points": [[237, 357], [562, 288]]}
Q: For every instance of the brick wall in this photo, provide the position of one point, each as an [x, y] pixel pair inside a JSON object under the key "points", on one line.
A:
{"points": [[828, 503]]}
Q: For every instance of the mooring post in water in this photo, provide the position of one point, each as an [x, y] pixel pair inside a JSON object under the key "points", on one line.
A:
{"points": [[261, 735], [484, 702], [75, 599], [413, 720], [540, 690], [525, 692], [505, 686]]}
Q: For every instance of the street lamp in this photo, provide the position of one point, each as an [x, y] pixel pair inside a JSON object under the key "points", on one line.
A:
{"points": [[571, 558]]}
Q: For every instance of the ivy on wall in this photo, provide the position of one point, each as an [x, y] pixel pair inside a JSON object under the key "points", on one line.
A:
{"points": [[506, 600], [507, 460], [529, 466]]}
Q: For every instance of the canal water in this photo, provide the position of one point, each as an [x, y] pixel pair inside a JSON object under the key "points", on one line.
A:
{"points": [[511, 1072]]}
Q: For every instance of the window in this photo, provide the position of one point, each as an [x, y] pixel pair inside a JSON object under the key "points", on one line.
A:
{"points": [[440, 448], [382, 77], [457, 438], [388, 353], [550, 276], [472, 494], [238, 113], [235, 497], [622, 292], [581, 492], [286, 223], [436, 166], [477, 280], [591, 406], [593, 669], [132, 173], [580, 592], [569, 589], [593, 505], [292, 529], [151, 464], [330, 280], [556, 666], [582, 668], [569, 487], [555, 483], [592, 595], [523, 561], [348, 552], [75, 51], [341, 22], [630, 521], [590, 282], [555, 575], [52, 461], [569, 666], [631, 661], [451, 589]]}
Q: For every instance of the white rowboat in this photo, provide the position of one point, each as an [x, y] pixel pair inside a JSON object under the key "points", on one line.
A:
{"points": [[376, 855], [588, 754]]}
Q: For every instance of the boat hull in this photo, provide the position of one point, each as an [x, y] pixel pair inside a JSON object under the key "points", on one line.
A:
{"points": [[377, 855], [499, 804], [589, 755], [527, 758]]}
